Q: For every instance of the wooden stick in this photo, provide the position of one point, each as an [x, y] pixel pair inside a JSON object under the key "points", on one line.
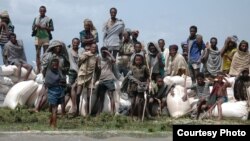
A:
{"points": [[91, 91], [144, 106]]}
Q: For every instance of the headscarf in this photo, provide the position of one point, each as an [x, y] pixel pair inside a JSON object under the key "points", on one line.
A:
{"points": [[156, 46], [49, 52]]}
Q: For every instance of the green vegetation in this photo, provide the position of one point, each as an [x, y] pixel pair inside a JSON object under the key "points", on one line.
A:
{"points": [[21, 119]]}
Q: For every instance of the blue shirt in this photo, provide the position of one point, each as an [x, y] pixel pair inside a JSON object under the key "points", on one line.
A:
{"points": [[195, 52]]}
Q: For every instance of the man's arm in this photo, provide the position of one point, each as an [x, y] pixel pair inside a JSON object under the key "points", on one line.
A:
{"points": [[111, 56], [51, 26]]}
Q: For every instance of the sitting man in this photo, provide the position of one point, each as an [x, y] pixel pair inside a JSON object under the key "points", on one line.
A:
{"points": [[14, 55]]}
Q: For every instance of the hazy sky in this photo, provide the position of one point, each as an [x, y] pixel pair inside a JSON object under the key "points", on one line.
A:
{"points": [[155, 19]]}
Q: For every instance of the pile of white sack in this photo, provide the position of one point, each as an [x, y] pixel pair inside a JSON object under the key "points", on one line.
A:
{"points": [[8, 78], [13, 92]]}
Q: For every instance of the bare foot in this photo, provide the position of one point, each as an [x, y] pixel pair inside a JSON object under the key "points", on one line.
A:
{"points": [[33, 110], [219, 118]]}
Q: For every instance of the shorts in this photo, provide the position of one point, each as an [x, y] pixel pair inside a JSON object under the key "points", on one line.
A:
{"points": [[55, 95], [108, 84], [72, 76], [224, 98], [41, 42], [87, 84], [194, 65]]}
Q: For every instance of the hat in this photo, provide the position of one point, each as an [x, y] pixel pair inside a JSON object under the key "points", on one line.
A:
{"points": [[4, 14], [55, 43]]}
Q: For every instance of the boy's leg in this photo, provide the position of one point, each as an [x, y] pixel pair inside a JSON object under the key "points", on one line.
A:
{"points": [[51, 119], [19, 70], [54, 116], [100, 97], [29, 69], [112, 100], [211, 109], [63, 105], [73, 95], [74, 98], [41, 100], [87, 103], [220, 101], [132, 107], [199, 108], [38, 59], [140, 104]]}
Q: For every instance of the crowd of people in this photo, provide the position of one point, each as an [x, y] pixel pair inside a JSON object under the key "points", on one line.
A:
{"points": [[144, 66]]}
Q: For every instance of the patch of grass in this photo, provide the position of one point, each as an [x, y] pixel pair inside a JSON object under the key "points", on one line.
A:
{"points": [[22, 120]]}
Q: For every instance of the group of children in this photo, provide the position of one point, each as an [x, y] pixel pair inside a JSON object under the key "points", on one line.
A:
{"points": [[207, 100]]}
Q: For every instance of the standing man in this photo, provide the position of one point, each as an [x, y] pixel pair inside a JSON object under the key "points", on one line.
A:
{"points": [[41, 29], [192, 37], [211, 59], [194, 57], [6, 28], [113, 32], [165, 54]]}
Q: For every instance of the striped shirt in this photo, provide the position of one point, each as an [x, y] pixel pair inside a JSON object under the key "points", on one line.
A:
{"points": [[3, 34]]}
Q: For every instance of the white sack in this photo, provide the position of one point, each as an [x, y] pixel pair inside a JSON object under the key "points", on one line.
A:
{"points": [[6, 81], [4, 89], [39, 78], [33, 97], [19, 93], [236, 110], [178, 80], [176, 106], [6, 70]]}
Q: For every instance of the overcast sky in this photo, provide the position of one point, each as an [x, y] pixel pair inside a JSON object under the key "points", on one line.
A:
{"points": [[155, 19]]}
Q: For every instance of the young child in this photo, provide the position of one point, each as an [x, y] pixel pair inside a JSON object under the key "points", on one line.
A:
{"points": [[159, 95], [87, 63], [202, 90], [54, 82], [137, 50], [218, 94], [106, 81], [138, 75]]}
